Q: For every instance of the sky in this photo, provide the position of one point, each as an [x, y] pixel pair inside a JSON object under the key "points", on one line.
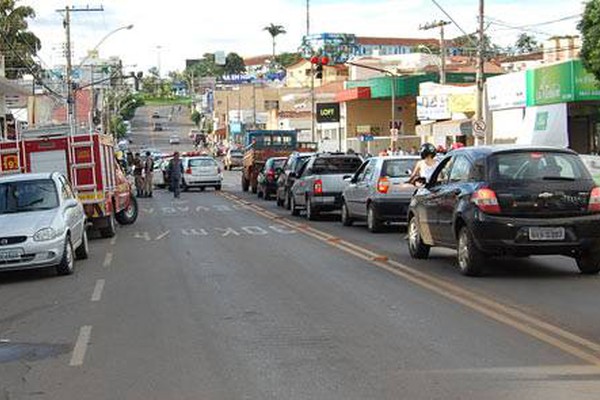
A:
{"points": [[166, 33]]}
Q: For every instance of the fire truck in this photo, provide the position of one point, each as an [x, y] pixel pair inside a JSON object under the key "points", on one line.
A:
{"points": [[88, 160]]}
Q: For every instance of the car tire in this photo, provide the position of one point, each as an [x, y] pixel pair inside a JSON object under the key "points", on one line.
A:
{"points": [[202, 188], [470, 258], [373, 223], [346, 218], [218, 188], [111, 229], [416, 248], [259, 193], [589, 263], [311, 213], [287, 201], [67, 263], [83, 251], [245, 184], [266, 195], [293, 209], [129, 215]]}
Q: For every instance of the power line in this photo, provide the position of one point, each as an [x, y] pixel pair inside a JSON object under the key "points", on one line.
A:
{"points": [[473, 42]]}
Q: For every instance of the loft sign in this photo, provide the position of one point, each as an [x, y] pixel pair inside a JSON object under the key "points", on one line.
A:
{"points": [[328, 112]]}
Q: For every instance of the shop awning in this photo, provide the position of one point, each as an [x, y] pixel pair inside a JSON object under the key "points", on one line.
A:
{"points": [[356, 93]]}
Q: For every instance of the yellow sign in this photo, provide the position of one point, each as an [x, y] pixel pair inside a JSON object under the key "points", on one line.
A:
{"points": [[10, 162], [462, 103], [90, 197]]}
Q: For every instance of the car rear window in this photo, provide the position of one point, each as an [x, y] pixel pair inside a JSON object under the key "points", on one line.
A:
{"points": [[202, 162], [536, 166], [26, 196], [278, 163], [398, 168], [336, 165], [592, 163]]}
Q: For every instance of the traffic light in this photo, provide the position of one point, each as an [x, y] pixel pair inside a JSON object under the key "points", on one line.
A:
{"points": [[319, 62]]}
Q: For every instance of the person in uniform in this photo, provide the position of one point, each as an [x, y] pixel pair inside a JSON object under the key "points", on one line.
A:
{"points": [[175, 173], [138, 168], [148, 171]]}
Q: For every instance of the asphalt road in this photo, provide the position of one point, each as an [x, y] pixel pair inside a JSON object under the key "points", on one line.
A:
{"points": [[223, 296]]}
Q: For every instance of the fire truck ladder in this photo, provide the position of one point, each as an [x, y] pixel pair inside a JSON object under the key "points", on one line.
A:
{"points": [[75, 147]]}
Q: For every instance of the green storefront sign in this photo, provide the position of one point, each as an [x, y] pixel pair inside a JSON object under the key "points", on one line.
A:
{"points": [[561, 83]]}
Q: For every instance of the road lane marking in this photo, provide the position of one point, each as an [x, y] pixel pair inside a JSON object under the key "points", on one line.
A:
{"points": [[162, 235], [97, 294], [107, 259], [113, 241], [81, 345], [555, 336]]}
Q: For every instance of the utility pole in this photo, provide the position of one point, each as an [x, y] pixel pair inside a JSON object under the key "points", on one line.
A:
{"points": [[313, 134], [433, 25], [67, 25], [480, 65]]}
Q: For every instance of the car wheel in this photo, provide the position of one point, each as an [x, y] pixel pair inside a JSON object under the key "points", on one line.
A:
{"points": [[589, 263], [111, 229], [346, 219], [416, 247], [470, 258], [202, 188], [311, 213], [83, 251], [67, 263], [293, 209], [129, 215], [218, 188], [287, 201], [373, 224]]}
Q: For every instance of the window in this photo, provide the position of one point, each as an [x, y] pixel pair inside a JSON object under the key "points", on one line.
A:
{"points": [[442, 172], [360, 173], [398, 168], [202, 162], [461, 170], [336, 165], [536, 165], [24, 196]]}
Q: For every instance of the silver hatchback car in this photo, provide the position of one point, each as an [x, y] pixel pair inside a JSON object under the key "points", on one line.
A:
{"points": [[379, 192], [43, 223]]}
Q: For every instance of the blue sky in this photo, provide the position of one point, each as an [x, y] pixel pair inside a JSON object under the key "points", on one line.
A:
{"points": [[187, 29]]}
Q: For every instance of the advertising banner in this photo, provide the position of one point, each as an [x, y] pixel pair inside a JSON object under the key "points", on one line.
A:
{"points": [[328, 112], [433, 107], [550, 85], [507, 91]]}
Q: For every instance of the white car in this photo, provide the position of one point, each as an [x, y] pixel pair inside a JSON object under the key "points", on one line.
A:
{"points": [[202, 172], [43, 223], [174, 139]]}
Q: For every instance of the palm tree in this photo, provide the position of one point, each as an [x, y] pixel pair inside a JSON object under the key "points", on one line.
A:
{"points": [[274, 31]]}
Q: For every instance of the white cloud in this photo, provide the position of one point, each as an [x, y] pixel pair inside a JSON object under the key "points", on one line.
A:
{"points": [[187, 29]]}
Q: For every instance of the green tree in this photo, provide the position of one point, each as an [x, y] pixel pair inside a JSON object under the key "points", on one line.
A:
{"points": [[205, 67], [234, 64], [526, 43], [196, 118], [17, 43], [589, 26], [287, 59], [468, 44], [274, 31]]}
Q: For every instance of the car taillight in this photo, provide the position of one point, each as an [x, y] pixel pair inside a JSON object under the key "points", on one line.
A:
{"points": [[318, 187], [188, 171], [486, 201], [594, 204], [383, 185]]}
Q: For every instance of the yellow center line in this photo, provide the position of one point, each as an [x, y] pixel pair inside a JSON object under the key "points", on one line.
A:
{"points": [[566, 341]]}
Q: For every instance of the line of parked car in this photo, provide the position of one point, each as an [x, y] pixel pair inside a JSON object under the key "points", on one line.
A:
{"points": [[481, 201]]}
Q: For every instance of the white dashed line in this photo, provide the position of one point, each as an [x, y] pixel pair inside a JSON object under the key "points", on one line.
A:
{"points": [[83, 340], [162, 235], [97, 294], [107, 259], [113, 241]]}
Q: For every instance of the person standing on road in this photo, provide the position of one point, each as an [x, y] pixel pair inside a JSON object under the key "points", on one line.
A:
{"points": [[148, 171], [175, 173], [138, 169]]}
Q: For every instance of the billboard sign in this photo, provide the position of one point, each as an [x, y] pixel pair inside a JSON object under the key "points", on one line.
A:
{"points": [[328, 112]]}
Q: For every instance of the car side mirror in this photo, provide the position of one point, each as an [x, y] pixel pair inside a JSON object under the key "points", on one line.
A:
{"points": [[71, 203], [408, 172], [348, 178]]}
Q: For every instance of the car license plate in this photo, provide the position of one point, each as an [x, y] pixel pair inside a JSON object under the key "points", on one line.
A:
{"points": [[327, 199], [546, 234], [11, 255]]}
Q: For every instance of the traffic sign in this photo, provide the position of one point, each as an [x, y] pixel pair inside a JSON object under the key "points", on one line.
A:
{"points": [[479, 126]]}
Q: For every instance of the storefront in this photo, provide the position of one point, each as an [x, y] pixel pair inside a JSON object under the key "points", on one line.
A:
{"points": [[563, 107]]}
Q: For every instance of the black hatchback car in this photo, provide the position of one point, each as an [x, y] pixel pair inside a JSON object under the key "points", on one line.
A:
{"points": [[494, 201]]}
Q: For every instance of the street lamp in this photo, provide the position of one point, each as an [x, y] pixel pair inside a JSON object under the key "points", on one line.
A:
{"points": [[393, 77], [109, 34], [440, 64]]}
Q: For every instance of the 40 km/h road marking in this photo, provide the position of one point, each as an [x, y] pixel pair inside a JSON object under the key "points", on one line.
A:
{"points": [[553, 335]]}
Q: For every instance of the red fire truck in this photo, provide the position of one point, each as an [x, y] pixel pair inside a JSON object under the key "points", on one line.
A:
{"points": [[88, 160]]}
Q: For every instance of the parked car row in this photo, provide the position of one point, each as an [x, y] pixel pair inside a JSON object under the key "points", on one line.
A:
{"points": [[480, 201]]}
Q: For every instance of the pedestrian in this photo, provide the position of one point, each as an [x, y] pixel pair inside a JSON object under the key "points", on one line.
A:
{"points": [[148, 175], [175, 173], [138, 168]]}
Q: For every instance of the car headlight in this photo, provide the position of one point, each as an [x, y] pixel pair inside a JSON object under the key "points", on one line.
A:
{"points": [[45, 234]]}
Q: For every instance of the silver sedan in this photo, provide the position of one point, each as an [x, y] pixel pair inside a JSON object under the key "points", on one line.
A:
{"points": [[43, 223]]}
